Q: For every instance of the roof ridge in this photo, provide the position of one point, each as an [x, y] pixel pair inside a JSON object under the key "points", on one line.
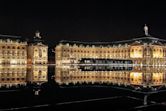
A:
{"points": [[112, 42], [10, 36]]}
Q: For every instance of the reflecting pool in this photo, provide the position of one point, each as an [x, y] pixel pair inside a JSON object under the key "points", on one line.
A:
{"points": [[20, 75], [122, 75], [134, 76]]}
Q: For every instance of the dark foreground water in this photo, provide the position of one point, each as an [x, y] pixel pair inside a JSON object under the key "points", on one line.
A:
{"points": [[53, 96], [67, 98]]}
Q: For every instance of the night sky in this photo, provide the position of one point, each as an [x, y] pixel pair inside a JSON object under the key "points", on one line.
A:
{"points": [[83, 21]]}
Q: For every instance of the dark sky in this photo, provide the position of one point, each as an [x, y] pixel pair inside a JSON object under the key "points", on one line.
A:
{"points": [[84, 21]]}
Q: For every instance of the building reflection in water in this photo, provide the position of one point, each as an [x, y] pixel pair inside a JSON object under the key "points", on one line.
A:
{"points": [[15, 75], [132, 76], [37, 74]]}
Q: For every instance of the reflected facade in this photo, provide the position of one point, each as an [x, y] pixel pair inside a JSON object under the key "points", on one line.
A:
{"points": [[37, 74], [14, 75], [136, 76]]}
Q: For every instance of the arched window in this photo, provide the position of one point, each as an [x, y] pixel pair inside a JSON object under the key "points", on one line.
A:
{"points": [[40, 53], [8, 52], [40, 73], [23, 53]]}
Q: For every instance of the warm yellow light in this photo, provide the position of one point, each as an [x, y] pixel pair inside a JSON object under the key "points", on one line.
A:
{"points": [[136, 52], [13, 62], [136, 78], [158, 52], [157, 78], [136, 55], [157, 55], [136, 74]]}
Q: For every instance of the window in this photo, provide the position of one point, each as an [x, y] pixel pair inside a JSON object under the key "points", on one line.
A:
{"points": [[40, 53], [8, 52], [23, 53]]}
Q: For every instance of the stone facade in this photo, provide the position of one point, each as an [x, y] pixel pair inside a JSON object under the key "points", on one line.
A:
{"points": [[13, 50], [37, 54], [142, 51], [37, 51]]}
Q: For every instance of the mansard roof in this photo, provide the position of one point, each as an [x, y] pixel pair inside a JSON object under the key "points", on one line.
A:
{"points": [[37, 40], [12, 37], [135, 41]]}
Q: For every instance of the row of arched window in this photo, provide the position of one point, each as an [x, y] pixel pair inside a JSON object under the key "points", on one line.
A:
{"points": [[12, 47], [12, 79], [13, 52], [88, 51]]}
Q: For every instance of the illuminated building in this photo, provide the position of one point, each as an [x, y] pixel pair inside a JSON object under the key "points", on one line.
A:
{"points": [[15, 50], [134, 62], [146, 50], [37, 51], [15, 75]]}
